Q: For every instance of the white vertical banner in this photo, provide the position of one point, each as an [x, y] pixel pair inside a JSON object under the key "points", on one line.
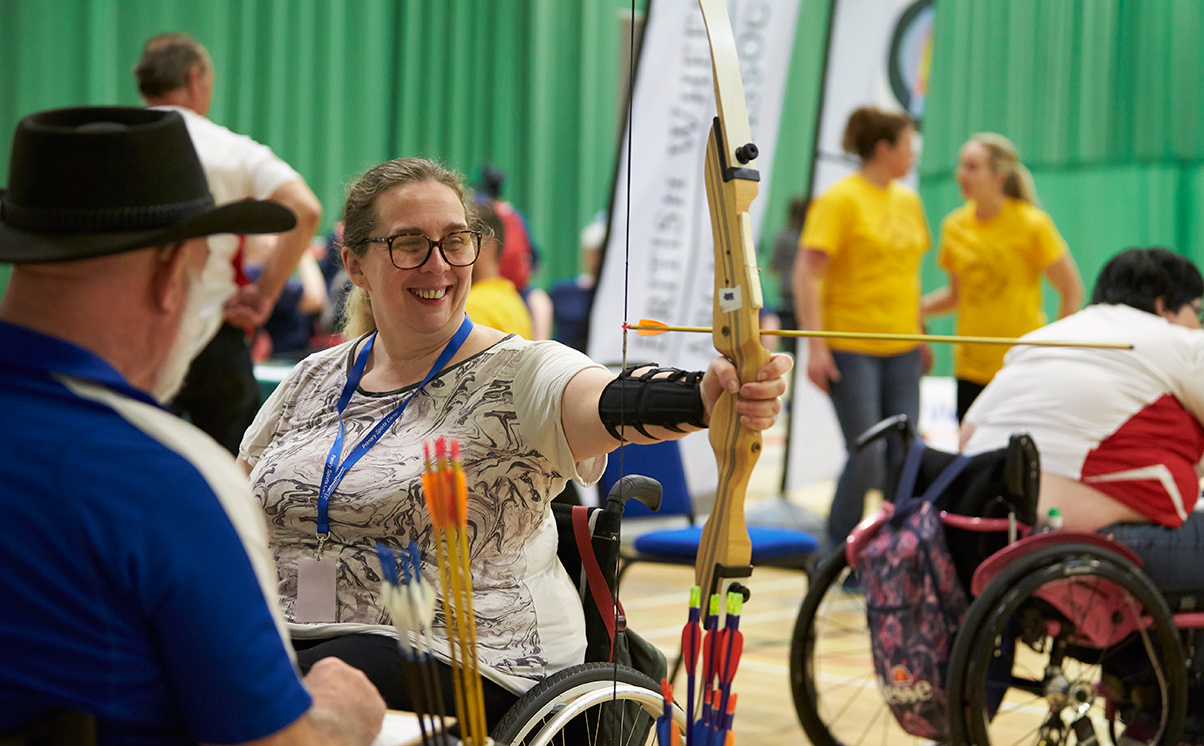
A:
{"points": [[659, 261], [878, 55]]}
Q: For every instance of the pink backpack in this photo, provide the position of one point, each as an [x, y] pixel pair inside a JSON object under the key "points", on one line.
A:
{"points": [[914, 603]]}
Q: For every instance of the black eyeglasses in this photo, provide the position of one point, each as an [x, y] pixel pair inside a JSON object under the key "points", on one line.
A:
{"points": [[412, 250]]}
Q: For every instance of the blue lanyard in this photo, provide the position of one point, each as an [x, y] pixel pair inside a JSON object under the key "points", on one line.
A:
{"points": [[334, 472]]}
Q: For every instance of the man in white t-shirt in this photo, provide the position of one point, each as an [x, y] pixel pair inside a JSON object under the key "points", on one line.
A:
{"points": [[221, 395]]}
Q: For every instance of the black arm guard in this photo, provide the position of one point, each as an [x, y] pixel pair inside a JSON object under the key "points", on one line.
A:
{"points": [[668, 401]]}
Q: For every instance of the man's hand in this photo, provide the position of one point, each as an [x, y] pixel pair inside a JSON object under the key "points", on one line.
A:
{"points": [[346, 705], [760, 400], [248, 307], [821, 367], [346, 711]]}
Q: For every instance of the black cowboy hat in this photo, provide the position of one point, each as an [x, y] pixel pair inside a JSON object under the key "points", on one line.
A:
{"points": [[92, 181]]}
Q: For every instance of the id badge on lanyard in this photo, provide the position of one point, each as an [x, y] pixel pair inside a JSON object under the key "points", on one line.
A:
{"points": [[317, 576]]}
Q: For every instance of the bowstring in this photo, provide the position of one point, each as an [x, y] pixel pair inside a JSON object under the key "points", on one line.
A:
{"points": [[631, 65]]}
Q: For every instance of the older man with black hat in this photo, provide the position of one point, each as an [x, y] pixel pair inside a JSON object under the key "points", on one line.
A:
{"points": [[136, 584]]}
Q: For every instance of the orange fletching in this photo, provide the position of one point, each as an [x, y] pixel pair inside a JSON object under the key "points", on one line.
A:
{"points": [[651, 332]]}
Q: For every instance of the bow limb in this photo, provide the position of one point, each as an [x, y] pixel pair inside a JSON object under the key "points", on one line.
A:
{"points": [[725, 550]]}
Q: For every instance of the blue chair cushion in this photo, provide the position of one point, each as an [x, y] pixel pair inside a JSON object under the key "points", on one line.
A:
{"points": [[767, 543]]}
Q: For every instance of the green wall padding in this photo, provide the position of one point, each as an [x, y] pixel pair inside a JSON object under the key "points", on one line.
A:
{"points": [[1103, 99], [336, 86]]}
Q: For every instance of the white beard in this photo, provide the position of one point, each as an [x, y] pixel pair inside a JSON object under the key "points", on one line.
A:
{"points": [[200, 320]]}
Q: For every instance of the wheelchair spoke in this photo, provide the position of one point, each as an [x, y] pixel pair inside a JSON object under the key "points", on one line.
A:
{"points": [[1027, 737], [833, 683], [870, 727]]}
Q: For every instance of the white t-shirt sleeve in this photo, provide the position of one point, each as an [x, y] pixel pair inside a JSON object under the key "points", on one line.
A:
{"points": [[1187, 378], [273, 417], [267, 424], [543, 375], [264, 171], [236, 166]]}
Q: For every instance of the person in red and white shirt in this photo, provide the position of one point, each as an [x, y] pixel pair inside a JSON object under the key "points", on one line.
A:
{"points": [[1120, 432]]}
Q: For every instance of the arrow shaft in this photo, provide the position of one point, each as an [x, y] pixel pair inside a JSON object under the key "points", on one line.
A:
{"points": [[942, 338]]}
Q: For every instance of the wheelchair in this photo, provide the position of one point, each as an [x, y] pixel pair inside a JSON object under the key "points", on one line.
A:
{"points": [[1065, 640], [597, 702]]}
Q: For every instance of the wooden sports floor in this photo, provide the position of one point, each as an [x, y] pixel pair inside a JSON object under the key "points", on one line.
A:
{"points": [[655, 599]]}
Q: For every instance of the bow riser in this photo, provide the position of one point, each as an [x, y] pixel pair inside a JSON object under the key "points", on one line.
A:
{"points": [[737, 336]]}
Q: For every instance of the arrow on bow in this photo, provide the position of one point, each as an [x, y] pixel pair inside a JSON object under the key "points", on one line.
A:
{"points": [[652, 327]]}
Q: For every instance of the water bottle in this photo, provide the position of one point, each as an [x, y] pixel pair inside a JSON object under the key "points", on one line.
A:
{"points": [[1053, 520]]}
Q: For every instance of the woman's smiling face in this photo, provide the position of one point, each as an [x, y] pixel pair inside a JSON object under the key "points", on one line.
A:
{"points": [[428, 299]]}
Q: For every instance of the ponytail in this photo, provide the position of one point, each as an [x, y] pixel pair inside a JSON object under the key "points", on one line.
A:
{"points": [[868, 126], [1019, 184], [357, 314]]}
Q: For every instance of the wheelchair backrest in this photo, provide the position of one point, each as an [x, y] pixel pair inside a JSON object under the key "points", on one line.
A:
{"points": [[993, 485]]}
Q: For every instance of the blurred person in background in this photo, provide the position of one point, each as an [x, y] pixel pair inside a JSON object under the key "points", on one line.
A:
{"points": [[291, 329], [220, 394], [520, 257], [572, 299], [858, 271], [995, 249], [493, 300], [781, 264]]}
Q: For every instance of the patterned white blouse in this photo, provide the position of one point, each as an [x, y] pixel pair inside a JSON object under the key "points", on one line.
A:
{"points": [[503, 405]]}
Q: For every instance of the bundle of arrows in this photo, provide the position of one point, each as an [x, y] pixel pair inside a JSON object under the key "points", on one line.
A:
{"points": [[710, 703], [411, 603], [446, 491]]}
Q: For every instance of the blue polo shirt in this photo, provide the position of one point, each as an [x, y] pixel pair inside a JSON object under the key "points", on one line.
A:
{"points": [[135, 582]]}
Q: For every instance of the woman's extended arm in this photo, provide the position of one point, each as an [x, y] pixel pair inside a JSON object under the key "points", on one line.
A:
{"points": [[1064, 276], [941, 301], [588, 436]]}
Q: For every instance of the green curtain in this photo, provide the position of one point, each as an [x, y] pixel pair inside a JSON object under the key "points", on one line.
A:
{"points": [[796, 140], [336, 86], [1103, 99]]}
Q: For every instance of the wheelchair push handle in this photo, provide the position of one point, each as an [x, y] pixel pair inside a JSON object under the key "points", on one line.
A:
{"points": [[898, 423], [643, 489]]}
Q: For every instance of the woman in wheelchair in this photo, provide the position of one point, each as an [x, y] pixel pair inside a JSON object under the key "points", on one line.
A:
{"points": [[336, 454], [1119, 432]]}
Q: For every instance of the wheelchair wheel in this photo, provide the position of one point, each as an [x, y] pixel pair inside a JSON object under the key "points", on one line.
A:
{"points": [[1026, 666], [832, 677], [594, 703]]}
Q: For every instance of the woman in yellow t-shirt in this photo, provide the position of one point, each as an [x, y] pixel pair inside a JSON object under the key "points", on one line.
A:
{"points": [[995, 248], [858, 271]]}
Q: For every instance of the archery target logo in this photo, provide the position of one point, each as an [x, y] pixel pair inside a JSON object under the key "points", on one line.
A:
{"points": [[910, 60]]}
